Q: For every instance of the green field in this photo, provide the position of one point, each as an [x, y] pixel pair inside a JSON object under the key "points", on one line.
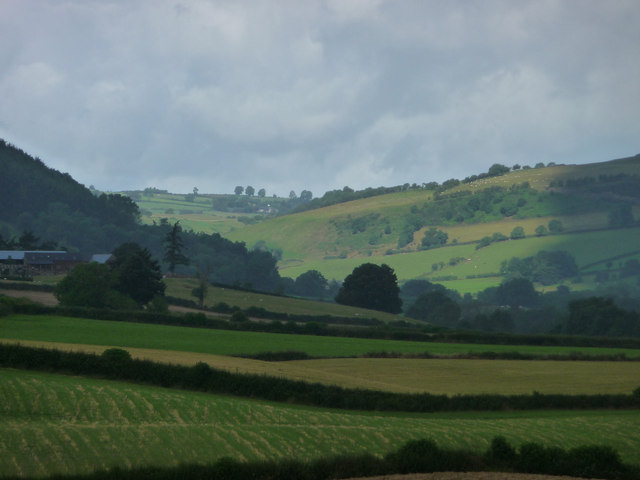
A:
{"points": [[182, 287], [586, 248], [226, 342], [448, 376], [59, 424]]}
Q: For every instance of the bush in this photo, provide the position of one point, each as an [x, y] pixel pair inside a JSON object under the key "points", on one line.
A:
{"points": [[116, 355], [500, 452], [517, 233], [239, 316]]}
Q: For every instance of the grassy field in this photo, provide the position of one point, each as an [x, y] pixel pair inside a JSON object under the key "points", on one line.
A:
{"points": [[197, 215], [182, 287], [313, 235], [436, 376], [58, 424], [225, 342], [586, 248]]}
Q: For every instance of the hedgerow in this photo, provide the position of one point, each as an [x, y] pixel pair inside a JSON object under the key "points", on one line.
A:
{"points": [[201, 377]]}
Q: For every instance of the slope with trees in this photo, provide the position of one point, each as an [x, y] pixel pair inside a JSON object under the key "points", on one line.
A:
{"points": [[53, 207]]}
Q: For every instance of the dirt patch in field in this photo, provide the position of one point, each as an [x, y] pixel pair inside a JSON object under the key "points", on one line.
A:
{"points": [[467, 476], [45, 298]]}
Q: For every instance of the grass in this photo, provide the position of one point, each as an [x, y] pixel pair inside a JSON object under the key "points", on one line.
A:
{"points": [[436, 376], [586, 248], [182, 287], [226, 342], [57, 424], [311, 236]]}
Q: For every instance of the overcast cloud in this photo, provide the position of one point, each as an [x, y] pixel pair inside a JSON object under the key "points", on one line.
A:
{"points": [[304, 94]]}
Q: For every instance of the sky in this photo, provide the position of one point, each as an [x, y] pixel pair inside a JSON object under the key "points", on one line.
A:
{"points": [[315, 94]]}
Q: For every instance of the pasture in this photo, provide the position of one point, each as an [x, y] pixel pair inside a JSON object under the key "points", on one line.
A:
{"points": [[61, 424], [226, 342], [182, 287], [400, 375], [586, 248]]}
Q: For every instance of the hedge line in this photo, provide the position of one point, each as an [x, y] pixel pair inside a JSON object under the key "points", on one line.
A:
{"points": [[263, 313], [416, 456], [572, 357], [36, 287], [201, 377]]}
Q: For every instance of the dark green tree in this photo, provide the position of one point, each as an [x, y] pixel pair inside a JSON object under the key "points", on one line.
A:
{"points": [[91, 285], [306, 195], [517, 292], [249, 191], [541, 230], [262, 193], [311, 284], [517, 233], [497, 169], [238, 190], [599, 316], [436, 308], [200, 292], [371, 286], [434, 237], [555, 226], [28, 241], [621, 216], [173, 247], [136, 273]]}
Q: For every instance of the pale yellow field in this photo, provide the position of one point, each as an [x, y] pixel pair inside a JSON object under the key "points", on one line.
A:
{"points": [[437, 376]]}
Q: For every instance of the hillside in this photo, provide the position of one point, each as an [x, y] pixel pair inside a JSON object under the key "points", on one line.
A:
{"points": [[390, 228], [51, 209]]}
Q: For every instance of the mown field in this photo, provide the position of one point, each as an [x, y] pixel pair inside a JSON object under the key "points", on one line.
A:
{"points": [[61, 424], [226, 342]]}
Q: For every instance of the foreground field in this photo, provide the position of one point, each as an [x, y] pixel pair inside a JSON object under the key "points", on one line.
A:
{"points": [[58, 424], [226, 342]]}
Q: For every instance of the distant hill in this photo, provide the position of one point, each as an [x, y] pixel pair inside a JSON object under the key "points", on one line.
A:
{"points": [[28, 189], [390, 228], [54, 208]]}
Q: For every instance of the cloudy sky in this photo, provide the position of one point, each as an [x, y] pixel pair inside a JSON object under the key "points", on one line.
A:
{"points": [[305, 94]]}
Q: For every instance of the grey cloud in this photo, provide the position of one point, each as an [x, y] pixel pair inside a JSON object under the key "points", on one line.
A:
{"points": [[316, 94]]}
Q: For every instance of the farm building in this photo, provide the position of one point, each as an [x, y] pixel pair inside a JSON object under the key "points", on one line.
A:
{"points": [[40, 262]]}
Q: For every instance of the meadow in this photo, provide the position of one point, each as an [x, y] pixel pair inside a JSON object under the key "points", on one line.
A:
{"points": [[227, 342], [182, 287], [446, 376], [62, 424], [586, 248]]}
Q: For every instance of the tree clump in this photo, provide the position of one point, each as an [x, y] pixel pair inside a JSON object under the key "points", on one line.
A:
{"points": [[371, 286], [131, 280]]}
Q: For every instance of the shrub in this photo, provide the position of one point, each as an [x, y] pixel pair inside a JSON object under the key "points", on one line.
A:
{"points": [[555, 226], [541, 230], [116, 355], [501, 452], [239, 316], [517, 233]]}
